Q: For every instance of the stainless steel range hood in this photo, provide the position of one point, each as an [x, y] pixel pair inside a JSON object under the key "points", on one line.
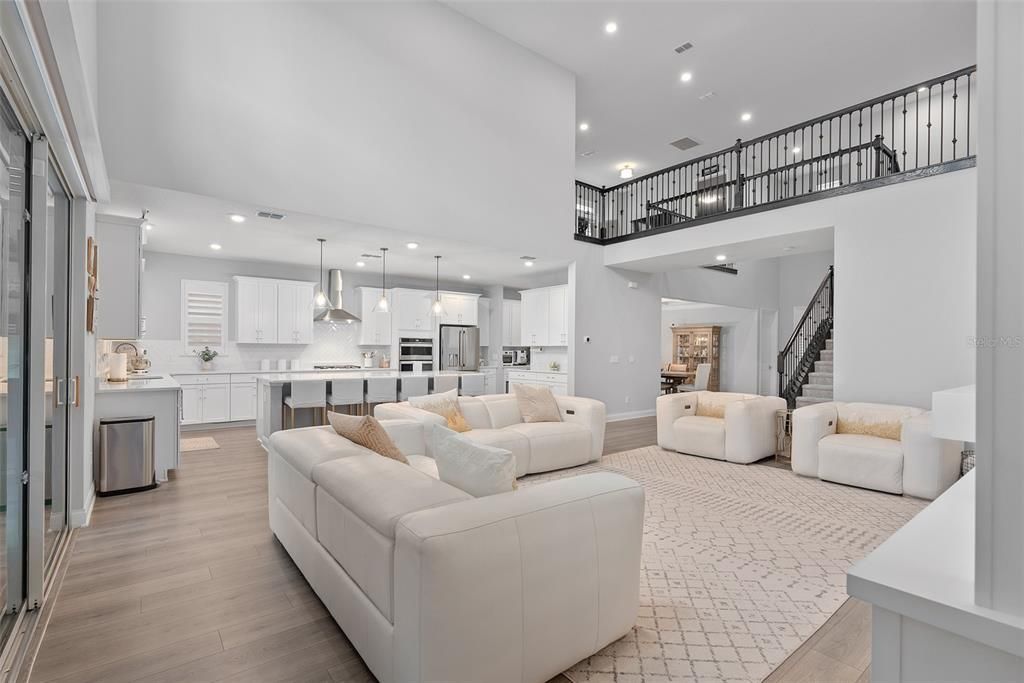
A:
{"points": [[334, 312]]}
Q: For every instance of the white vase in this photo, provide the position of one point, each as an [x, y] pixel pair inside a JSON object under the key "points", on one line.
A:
{"points": [[207, 365]]}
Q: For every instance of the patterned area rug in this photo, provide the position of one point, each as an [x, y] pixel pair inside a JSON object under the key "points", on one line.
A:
{"points": [[199, 443], [741, 564]]}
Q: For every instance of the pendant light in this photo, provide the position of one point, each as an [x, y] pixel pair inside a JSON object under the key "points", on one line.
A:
{"points": [[436, 308], [382, 305], [319, 295]]}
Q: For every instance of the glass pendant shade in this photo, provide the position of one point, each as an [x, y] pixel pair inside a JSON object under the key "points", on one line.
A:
{"points": [[382, 303], [436, 309]]}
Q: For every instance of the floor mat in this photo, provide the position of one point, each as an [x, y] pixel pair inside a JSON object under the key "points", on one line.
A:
{"points": [[199, 443]]}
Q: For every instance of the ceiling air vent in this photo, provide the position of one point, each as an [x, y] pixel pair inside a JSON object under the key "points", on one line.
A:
{"points": [[588, 154], [709, 95], [683, 144], [369, 255], [271, 215], [684, 47]]}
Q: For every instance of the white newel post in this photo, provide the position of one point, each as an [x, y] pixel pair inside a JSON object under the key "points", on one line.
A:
{"points": [[999, 543]]}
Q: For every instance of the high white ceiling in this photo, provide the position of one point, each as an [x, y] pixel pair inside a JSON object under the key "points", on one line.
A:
{"points": [[782, 61], [187, 224]]}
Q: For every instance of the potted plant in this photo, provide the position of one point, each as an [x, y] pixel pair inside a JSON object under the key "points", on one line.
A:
{"points": [[206, 356]]}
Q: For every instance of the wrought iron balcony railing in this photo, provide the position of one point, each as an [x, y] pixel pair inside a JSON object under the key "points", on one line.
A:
{"points": [[927, 128]]}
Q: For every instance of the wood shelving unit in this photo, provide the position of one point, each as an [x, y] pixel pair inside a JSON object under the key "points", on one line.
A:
{"points": [[695, 344]]}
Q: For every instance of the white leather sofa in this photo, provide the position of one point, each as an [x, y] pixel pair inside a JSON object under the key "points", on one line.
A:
{"points": [[431, 584], [537, 446], [721, 425], [874, 446]]}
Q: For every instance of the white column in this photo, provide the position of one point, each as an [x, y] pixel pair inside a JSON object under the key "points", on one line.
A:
{"points": [[999, 545]]}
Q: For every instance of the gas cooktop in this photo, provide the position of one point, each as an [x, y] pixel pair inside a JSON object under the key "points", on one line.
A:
{"points": [[335, 366]]}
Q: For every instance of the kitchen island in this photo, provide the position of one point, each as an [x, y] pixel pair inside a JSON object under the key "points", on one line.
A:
{"points": [[156, 396], [272, 389]]}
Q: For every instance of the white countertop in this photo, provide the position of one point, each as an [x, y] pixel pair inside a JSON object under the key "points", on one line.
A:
{"points": [[132, 385], [328, 375], [926, 572], [514, 368]]}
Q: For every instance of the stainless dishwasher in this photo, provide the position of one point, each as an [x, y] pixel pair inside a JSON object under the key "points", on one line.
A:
{"points": [[125, 461]]}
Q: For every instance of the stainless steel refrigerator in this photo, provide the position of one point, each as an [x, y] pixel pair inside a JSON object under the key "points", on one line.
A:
{"points": [[459, 348]]}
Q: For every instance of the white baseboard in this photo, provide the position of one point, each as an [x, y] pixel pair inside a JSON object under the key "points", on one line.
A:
{"points": [[618, 417], [80, 518]]}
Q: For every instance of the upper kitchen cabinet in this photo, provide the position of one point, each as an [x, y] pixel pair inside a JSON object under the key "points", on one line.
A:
{"points": [[483, 320], [412, 310], [273, 311], [511, 322], [375, 328], [294, 313], [545, 316], [119, 308], [459, 309]]}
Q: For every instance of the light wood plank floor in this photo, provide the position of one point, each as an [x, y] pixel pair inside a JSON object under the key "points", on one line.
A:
{"points": [[186, 583]]}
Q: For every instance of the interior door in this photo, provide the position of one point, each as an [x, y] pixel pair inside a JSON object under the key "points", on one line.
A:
{"points": [[14, 346], [768, 349]]}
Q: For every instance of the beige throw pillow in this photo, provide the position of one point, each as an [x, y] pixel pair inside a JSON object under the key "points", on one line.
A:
{"points": [[367, 432], [445, 404], [536, 403]]}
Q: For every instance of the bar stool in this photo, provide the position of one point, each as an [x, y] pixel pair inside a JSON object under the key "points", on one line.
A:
{"points": [[381, 390], [415, 386], [306, 394], [473, 385], [346, 392], [443, 383]]}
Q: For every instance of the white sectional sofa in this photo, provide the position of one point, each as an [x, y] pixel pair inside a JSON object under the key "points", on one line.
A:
{"points": [[735, 427], [874, 446], [431, 584], [537, 446]]}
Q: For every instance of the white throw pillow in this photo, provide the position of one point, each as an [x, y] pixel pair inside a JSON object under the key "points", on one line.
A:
{"points": [[477, 469]]}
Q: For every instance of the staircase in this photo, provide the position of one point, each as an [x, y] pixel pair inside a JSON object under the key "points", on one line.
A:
{"points": [[819, 381], [805, 363]]}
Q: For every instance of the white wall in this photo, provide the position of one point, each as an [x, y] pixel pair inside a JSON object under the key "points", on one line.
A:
{"points": [[738, 344], [799, 277]]}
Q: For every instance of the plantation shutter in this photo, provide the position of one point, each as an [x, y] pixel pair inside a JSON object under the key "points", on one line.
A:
{"points": [[204, 314]]}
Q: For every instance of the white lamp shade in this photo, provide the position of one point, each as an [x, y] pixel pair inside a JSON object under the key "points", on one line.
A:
{"points": [[953, 412]]}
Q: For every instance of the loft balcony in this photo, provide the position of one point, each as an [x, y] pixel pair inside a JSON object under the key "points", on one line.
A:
{"points": [[918, 131]]}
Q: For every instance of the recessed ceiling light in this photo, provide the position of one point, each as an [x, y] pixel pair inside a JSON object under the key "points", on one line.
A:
{"points": [[790, 248], [465, 277], [528, 260], [611, 27], [686, 77], [236, 217], [360, 264], [721, 257], [922, 88], [584, 126], [528, 264], [626, 172], [746, 116], [796, 150], [412, 245], [215, 246]]}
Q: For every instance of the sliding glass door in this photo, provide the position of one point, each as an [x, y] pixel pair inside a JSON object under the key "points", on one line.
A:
{"points": [[14, 266]]}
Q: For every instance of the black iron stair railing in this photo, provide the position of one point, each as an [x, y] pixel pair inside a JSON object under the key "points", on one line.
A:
{"points": [[797, 357], [916, 131]]}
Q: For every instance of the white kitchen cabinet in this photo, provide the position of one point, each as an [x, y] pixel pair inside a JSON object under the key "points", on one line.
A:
{"points": [[558, 383], [204, 398], [511, 328], [216, 403], [483, 320], [119, 308], [558, 316], [459, 309], [412, 310], [490, 381], [271, 311], [191, 405], [375, 328], [243, 401], [535, 317], [545, 316], [294, 313]]}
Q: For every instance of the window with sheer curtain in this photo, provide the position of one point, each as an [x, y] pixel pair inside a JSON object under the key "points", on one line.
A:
{"points": [[204, 315]]}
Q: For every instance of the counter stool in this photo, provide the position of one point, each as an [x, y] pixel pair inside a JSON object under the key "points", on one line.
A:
{"points": [[306, 394], [443, 383], [473, 385], [348, 393], [380, 390], [414, 386]]}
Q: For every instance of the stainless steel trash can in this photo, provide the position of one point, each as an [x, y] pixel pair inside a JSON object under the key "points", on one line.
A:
{"points": [[125, 462]]}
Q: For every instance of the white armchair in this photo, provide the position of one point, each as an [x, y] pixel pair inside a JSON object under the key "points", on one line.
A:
{"points": [[875, 446], [725, 426]]}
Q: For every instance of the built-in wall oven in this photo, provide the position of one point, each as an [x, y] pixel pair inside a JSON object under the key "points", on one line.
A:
{"points": [[415, 354]]}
